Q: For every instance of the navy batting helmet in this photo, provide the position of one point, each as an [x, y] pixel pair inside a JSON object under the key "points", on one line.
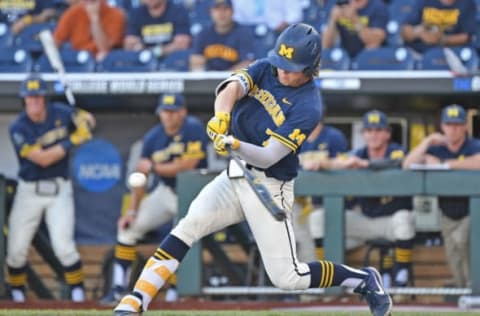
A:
{"points": [[33, 85], [298, 48]]}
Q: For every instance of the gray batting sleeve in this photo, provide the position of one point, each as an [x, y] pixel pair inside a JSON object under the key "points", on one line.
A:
{"points": [[263, 157]]}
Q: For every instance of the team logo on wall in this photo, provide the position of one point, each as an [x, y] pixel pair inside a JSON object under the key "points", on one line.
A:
{"points": [[97, 166]]}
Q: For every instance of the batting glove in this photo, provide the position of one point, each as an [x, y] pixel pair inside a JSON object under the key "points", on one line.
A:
{"points": [[81, 135], [218, 125], [221, 142]]}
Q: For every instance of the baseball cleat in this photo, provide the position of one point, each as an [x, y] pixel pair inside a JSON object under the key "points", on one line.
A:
{"points": [[130, 305], [372, 290]]}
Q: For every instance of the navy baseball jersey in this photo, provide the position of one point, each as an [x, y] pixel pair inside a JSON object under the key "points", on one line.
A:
{"points": [[271, 110], [189, 142], [386, 205], [329, 144], [10, 11], [158, 30], [374, 15], [222, 51], [27, 135], [459, 17], [455, 207]]}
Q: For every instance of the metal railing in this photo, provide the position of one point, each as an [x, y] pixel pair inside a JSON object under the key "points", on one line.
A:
{"points": [[333, 186]]}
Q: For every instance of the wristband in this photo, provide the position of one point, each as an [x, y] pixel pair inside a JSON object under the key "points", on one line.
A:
{"points": [[131, 213]]}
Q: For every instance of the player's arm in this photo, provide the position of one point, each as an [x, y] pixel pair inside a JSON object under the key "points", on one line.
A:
{"points": [[467, 163], [197, 62], [44, 157], [419, 154], [171, 168], [229, 93], [262, 157]]}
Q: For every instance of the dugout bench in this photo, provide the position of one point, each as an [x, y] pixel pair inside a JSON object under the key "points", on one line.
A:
{"points": [[334, 186]]}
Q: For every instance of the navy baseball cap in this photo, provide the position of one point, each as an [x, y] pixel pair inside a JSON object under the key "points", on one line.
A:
{"points": [[375, 119], [227, 3], [171, 102], [33, 85], [454, 113]]}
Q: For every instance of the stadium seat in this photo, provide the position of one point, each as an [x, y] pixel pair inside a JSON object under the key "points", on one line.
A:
{"points": [[5, 35], [397, 10], [176, 61], [15, 60], [28, 38], [263, 39], [434, 59], [128, 61], [199, 14], [335, 59], [384, 58], [73, 60]]}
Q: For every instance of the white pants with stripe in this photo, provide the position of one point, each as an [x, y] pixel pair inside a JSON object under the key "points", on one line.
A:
{"points": [[28, 209], [226, 201], [360, 228], [156, 209]]}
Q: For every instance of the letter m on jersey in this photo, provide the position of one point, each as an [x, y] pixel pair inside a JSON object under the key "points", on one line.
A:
{"points": [[286, 51]]}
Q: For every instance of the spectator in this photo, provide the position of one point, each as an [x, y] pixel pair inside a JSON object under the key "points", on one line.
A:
{"points": [[324, 143], [439, 23], [160, 25], [91, 25], [379, 217], [42, 139], [225, 45], [277, 15], [358, 23], [455, 150], [176, 144], [20, 14]]}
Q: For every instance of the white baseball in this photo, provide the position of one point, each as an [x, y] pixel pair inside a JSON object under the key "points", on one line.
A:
{"points": [[137, 179]]}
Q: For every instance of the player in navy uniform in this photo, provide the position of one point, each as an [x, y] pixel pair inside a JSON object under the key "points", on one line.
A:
{"points": [[322, 145], [224, 45], [43, 135], [456, 150], [359, 24], [439, 23], [160, 25], [269, 109], [176, 144], [379, 217]]}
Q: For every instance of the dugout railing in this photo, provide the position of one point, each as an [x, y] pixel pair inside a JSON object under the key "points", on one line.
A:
{"points": [[334, 186]]}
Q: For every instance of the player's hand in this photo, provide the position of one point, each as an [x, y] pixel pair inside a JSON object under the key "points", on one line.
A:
{"points": [[221, 142], [436, 139], [81, 135], [126, 220], [218, 125]]}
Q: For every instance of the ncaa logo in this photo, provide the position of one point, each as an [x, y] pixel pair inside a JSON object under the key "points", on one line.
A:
{"points": [[97, 166]]}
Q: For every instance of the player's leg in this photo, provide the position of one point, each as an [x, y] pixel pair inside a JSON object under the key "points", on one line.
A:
{"points": [[158, 208], [302, 209], [216, 207], [25, 217], [451, 233], [276, 243], [402, 232], [60, 220]]}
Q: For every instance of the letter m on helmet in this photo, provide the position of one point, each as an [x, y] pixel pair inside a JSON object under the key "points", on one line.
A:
{"points": [[286, 51]]}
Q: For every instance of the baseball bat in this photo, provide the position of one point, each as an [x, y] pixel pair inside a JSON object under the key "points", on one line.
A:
{"points": [[51, 50], [260, 190]]}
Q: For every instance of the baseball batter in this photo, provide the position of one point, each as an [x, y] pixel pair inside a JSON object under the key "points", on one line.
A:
{"points": [[176, 144], [269, 108], [43, 135]]}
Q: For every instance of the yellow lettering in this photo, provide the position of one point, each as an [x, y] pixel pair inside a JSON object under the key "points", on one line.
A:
{"points": [[269, 103], [297, 136], [443, 18]]}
